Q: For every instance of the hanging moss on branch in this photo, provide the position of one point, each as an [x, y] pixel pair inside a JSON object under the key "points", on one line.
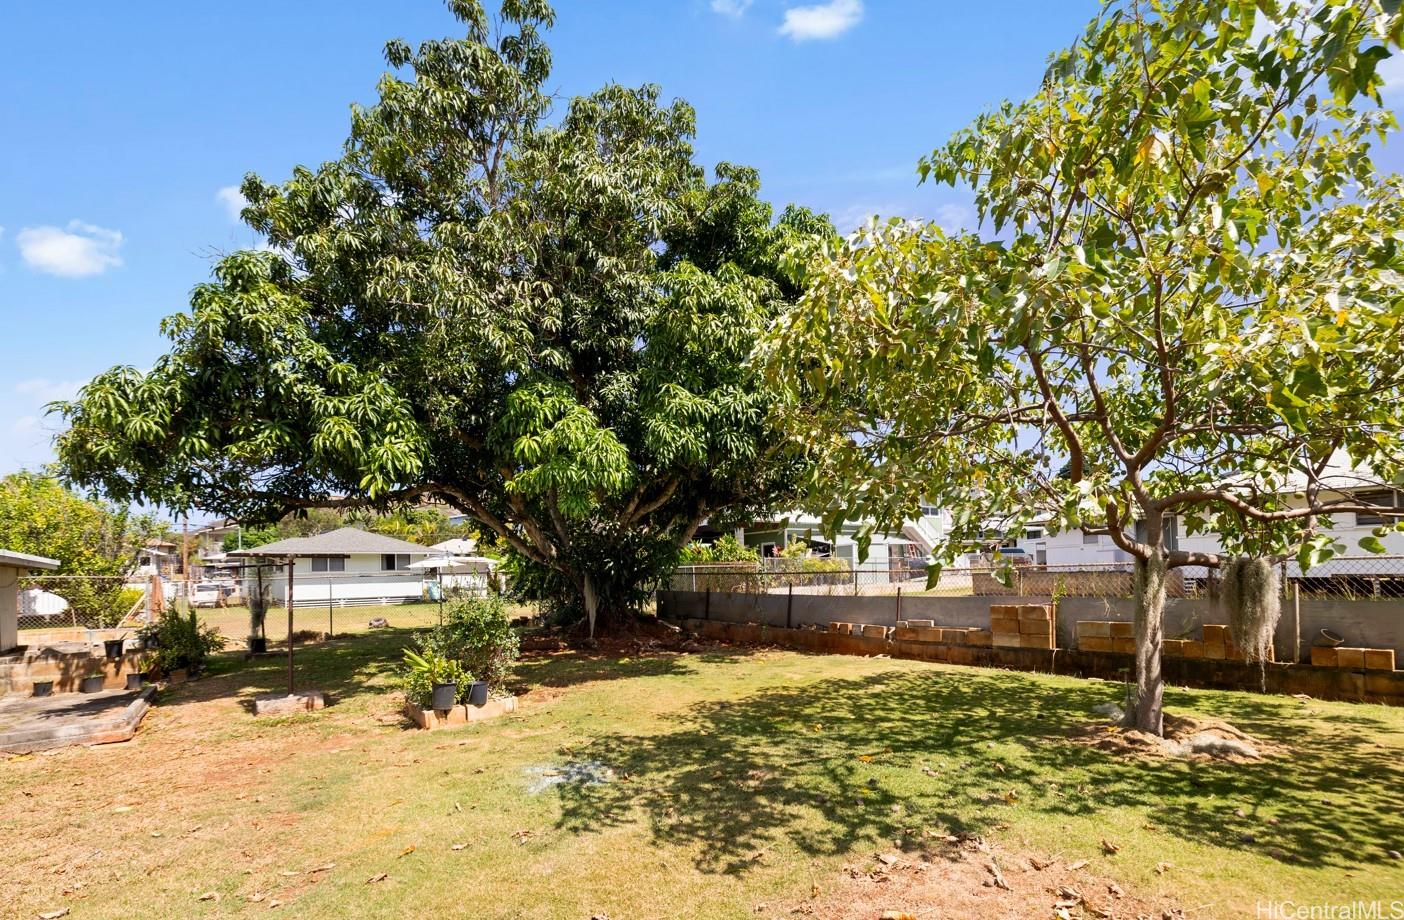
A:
{"points": [[1252, 598]]}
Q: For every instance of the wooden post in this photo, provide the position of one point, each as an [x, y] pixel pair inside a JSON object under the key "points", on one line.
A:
{"points": [[899, 607], [292, 563], [789, 606]]}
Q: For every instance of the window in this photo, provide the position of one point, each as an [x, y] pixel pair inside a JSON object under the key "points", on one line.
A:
{"points": [[394, 562], [1385, 498], [328, 564], [1091, 539]]}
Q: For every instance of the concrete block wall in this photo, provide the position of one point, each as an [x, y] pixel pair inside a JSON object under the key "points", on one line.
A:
{"points": [[1375, 624], [1322, 683], [66, 669]]}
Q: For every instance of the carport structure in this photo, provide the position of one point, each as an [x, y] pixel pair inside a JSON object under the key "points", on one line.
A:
{"points": [[12, 566]]}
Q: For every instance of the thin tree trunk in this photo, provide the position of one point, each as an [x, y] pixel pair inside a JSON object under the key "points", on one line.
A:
{"points": [[1150, 634]]}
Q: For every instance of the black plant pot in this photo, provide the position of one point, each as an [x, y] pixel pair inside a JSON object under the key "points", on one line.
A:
{"points": [[113, 648], [151, 642], [43, 688], [444, 696], [477, 693], [92, 684], [135, 681], [258, 645]]}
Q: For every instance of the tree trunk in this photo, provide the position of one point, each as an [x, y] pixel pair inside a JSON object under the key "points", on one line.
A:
{"points": [[1150, 621]]}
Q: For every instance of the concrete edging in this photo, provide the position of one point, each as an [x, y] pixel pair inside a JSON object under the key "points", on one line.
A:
{"points": [[105, 731]]}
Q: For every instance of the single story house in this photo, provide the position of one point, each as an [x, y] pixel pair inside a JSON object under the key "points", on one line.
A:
{"points": [[906, 548], [348, 567]]}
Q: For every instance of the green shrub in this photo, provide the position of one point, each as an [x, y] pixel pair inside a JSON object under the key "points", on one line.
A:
{"points": [[183, 642], [477, 633], [726, 549]]}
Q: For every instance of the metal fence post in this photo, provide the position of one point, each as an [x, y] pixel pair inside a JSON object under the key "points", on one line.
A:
{"points": [[331, 628], [707, 608], [291, 564], [789, 606], [898, 621], [855, 579]]}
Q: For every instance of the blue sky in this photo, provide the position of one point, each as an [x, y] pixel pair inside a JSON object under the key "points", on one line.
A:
{"points": [[127, 120]]}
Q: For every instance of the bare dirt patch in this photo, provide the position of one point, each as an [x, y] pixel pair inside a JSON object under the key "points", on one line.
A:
{"points": [[1186, 737], [956, 878]]}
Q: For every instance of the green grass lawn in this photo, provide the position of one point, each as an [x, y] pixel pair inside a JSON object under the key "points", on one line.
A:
{"points": [[740, 778]]}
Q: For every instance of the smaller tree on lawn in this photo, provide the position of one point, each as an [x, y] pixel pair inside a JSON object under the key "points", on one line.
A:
{"points": [[1191, 306]]}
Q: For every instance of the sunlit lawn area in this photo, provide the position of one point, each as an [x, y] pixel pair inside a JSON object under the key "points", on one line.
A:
{"points": [[233, 622], [740, 778]]}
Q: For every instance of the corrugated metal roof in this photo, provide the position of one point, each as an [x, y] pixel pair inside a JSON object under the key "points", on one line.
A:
{"points": [[347, 541]]}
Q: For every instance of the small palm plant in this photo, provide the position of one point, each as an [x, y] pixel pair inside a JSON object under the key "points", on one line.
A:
{"points": [[432, 680]]}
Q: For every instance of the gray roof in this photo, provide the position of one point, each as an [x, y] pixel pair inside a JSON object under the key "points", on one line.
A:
{"points": [[15, 560], [344, 542]]}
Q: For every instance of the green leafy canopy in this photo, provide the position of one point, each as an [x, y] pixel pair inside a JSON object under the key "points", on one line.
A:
{"points": [[1185, 299], [543, 323]]}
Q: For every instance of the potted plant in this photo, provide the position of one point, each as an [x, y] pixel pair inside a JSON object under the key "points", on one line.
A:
{"points": [[113, 647], [433, 681], [135, 680], [92, 683], [43, 688], [149, 636], [477, 693]]}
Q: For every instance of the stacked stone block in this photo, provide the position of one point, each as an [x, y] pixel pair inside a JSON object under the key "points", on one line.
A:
{"points": [[1022, 626], [1366, 659]]}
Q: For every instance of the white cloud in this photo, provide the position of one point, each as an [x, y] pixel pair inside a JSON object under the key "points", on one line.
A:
{"points": [[232, 199], [24, 424], [44, 390], [823, 20], [953, 217], [1391, 70], [73, 251], [733, 8]]}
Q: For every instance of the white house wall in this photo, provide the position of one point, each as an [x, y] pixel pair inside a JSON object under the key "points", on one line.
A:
{"points": [[1068, 549], [362, 583]]}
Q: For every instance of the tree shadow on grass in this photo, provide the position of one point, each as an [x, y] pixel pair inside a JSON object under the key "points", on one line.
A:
{"points": [[567, 669], [342, 669], [843, 763]]}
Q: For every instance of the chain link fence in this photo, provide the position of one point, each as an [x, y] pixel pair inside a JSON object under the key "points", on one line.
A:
{"points": [[81, 602], [1343, 578], [56, 608], [332, 603]]}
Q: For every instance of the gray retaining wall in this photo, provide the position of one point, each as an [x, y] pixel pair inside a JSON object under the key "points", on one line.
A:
{"points": [[1366, 624]]}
